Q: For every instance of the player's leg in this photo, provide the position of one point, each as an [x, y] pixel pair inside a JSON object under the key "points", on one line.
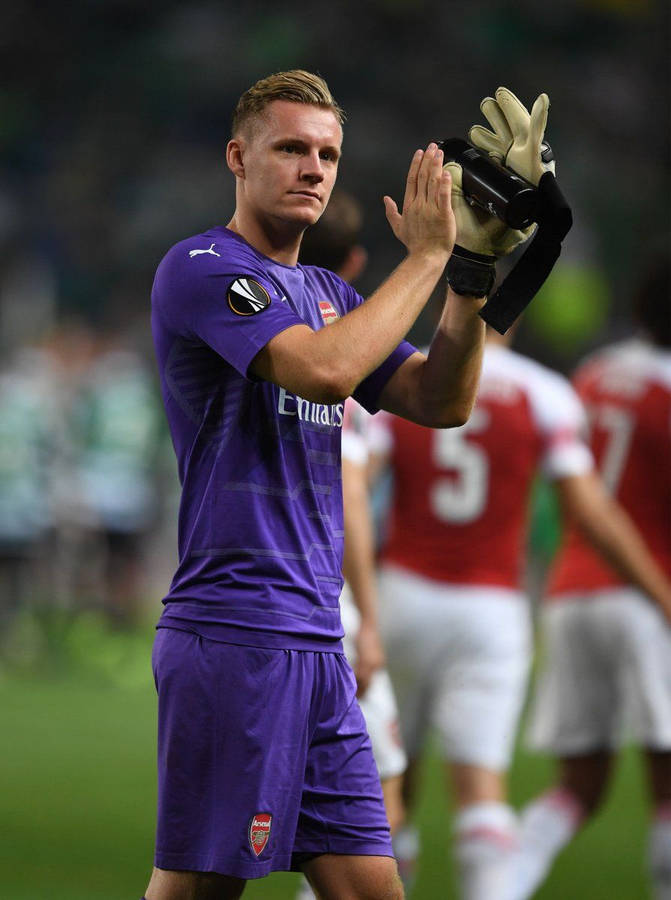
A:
{"points": [[649, 720], [481, 690], [485, 831], [549, 822], [574, 716], [659, 842], [172, 885], [415, 642], [345, 877]]}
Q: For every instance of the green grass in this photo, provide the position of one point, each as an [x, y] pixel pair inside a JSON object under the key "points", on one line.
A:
{"points": [[78, 789]]}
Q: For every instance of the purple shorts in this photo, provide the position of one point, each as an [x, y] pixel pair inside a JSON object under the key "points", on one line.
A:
{"points": [[263, 759]]}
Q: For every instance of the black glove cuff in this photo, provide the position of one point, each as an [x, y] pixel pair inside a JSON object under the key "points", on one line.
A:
{"points": [[526, 278], [471, 274]]}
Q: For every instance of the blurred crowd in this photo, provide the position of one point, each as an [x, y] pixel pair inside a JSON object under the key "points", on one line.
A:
{"points": [[85, 475]]}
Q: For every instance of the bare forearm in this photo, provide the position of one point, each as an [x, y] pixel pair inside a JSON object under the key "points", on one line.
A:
{"points": [[377, 327], [327, 365], [440, 390], [610, 530]]}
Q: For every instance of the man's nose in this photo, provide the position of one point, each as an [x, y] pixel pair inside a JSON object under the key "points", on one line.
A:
{"points": [[312, 168]]}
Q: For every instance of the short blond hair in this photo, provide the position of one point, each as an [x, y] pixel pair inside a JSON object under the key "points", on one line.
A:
{"points": [[296, 86]]}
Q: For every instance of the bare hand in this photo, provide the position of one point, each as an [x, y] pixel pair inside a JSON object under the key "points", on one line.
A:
{"points": [[370, 657], [427, 223]]}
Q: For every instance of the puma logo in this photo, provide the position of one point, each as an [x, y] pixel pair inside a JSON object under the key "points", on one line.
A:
{"points": [[211, 250]]}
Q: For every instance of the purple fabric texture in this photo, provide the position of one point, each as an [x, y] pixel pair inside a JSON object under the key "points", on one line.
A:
{"points": [[260, 522], [263, 758]]}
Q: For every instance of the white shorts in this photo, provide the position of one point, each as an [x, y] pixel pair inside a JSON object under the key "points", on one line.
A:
{"points": [[458, 657], [378, 704], [606, 675]]}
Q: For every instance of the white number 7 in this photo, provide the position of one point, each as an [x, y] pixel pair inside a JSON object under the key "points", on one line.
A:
{"points": [[619, 427]]}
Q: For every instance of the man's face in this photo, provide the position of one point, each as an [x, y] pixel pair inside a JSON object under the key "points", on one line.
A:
{"points": [[290, 157]]}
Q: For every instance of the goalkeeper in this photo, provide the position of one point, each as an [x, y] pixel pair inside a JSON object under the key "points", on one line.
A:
{"points": [[264, 760]]}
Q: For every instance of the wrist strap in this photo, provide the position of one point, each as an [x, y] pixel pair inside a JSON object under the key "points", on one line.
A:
{"points": [[527, 277], [471, 274]]}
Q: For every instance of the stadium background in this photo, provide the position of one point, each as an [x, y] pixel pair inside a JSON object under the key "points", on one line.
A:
{"points": [[113, 121]]}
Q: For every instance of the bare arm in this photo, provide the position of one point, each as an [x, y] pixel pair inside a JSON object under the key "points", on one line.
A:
{"points": [[359, 571], [327, 365], [439, 390], [610, 530]]}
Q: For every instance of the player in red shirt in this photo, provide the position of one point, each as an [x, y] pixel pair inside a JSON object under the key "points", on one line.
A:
{"points": [[608, 648], [455, 618]]}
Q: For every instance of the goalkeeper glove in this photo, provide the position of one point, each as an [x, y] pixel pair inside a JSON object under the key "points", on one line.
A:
{"points": [[481, 240], [517, 137]]}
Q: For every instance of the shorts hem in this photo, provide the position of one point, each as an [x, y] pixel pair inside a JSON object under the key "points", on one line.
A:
{"points": [[222, 865], [341, 848]]}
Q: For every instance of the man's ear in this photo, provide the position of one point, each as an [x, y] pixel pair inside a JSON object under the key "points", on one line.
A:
{"points": [[234, 153]]}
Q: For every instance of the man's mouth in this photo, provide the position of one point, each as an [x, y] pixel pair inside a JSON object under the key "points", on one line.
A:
{"points": [[313, 194]]}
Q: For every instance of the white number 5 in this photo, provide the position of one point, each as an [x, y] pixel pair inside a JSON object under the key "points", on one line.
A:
{"points": [[463, 498]]}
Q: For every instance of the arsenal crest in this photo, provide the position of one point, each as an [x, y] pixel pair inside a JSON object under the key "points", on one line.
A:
{"points": [[328, 312], [259, 832]]}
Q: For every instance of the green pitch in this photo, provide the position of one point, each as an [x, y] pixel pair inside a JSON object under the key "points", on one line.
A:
{"points": [[77, 792]]}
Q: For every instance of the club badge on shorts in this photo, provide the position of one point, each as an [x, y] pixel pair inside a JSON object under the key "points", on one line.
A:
{"points": [[328, 312], [246, 297], [259, 832]]}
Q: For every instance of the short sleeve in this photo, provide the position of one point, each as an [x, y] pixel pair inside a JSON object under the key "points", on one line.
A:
{"points": [[228, 302], [563, 425], [368, 392]]}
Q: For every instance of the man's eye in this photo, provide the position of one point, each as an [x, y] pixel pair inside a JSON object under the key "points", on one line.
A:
{"points": [[326, 154], [289, 148]]}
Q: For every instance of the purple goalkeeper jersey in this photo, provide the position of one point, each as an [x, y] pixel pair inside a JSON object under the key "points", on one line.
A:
{"points": [[260, 521]]}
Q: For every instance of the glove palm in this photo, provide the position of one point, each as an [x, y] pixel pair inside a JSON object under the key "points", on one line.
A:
{"points": [[517, 137]]}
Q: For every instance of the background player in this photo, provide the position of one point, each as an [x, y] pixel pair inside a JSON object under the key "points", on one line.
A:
{"points": [[608, 649], [455, 619]]}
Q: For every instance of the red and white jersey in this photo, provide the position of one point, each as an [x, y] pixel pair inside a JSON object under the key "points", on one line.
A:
{"points": [[626, 389], [460, 503]]}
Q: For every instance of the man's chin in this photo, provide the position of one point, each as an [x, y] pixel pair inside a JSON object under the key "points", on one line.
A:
{"points": [[302, 219]]}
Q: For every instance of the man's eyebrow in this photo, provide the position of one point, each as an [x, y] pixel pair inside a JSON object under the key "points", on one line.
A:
{"points": [[331, 148]]}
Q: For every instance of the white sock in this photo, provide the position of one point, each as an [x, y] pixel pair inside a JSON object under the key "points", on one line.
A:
{"points": [[659, 852], [406, 850], [304, 891], [486, 838], [546, 826]]}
